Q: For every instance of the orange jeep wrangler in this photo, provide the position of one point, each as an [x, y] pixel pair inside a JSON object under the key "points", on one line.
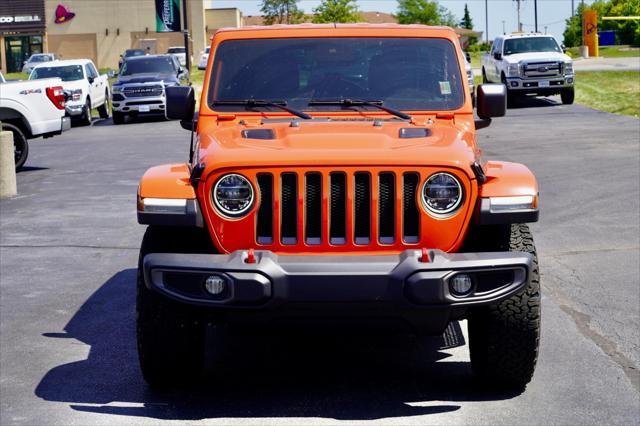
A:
{"points": [[334, 176]]}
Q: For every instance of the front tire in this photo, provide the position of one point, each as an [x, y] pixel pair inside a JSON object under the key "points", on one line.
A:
{"points": [[20, 144], [567, 96], [118, 117], [170, 335], [103, 109], [85, 118], [504, 337]]}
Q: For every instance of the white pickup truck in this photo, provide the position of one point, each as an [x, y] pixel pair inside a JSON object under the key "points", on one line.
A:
{"points": [[88, 89], [30, 109], [530, 63]]}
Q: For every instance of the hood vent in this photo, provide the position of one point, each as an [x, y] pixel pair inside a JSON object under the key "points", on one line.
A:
{"points": [[265, 134], [414, 132]]}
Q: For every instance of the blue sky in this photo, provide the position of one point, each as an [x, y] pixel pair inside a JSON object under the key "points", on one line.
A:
{"points": [[551, 13]]}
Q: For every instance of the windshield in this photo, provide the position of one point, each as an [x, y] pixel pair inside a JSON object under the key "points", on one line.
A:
{"points": [[530, 44], [66, 73], [402, 73], [40, 58], [130, 53], [148, 65], [176, 50]]}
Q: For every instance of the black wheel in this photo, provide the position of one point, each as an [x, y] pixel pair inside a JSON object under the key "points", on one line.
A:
{"points": [[504, 337], [20, 144], [85, 118], [484, 76], [567, 96], [171, 335], [103, 109], [118, 117]]}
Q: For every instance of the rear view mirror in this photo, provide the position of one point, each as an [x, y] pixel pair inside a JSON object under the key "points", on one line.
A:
{"points": [[497, 56], [491, 100], [181, 103]]}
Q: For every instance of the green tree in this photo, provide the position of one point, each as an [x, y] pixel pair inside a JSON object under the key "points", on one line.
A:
{"points": [[281, 12], [626, 30], [336, 11], [466, 19], [424, 12]]}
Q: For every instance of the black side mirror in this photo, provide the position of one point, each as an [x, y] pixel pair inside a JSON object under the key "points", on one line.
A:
{"points": [[91, 80], [181, 103], [491, 100], [564, 48], [498, 56]]}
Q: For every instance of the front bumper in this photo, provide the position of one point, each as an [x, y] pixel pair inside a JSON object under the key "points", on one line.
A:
{"points": [[540, 85], [147, 104], [401, 286]]}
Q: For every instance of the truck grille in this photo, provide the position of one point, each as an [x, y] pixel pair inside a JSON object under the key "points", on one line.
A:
{"points": [[341, 208], [542, 69], [143, 91]]}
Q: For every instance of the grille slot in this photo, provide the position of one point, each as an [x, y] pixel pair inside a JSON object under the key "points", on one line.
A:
{"points": [[289, 214], [410, 212], [362, 213], [542, 69], [142, 91], [386, 208], [264, 224], [313, 209], [338, 216]]}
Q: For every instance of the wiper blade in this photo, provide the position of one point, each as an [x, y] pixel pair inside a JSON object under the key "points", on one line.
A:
{"points": [[359, 102], [252, 103]]}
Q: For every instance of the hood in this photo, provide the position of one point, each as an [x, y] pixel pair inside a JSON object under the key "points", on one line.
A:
{"points": [[146, 78], [336, 143], [537, 56]]}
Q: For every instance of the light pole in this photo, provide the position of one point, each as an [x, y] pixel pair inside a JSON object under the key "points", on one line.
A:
{"points": [[504, 31], [185, 31], [486, 19], [535, 13]]}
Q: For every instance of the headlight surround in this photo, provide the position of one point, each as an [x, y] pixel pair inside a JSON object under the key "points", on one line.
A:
{"points": [[116, 89], [568, 67], [233, 195], [513, 70], [442, 194]]}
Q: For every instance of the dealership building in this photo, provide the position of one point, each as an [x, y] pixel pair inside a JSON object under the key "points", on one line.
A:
{"points": [[102, 29]]}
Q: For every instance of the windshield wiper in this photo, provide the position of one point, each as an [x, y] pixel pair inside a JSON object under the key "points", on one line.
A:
{"points": [[359, 102], [252, 103]]}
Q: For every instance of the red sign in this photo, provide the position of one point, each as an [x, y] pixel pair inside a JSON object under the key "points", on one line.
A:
{"points": [[63, 14]]}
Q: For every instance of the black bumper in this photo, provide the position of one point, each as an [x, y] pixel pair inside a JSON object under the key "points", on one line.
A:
{"points": [[401, 286]]}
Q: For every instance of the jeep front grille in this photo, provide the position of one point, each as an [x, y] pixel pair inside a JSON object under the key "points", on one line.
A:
{"points": [[356, 208]]}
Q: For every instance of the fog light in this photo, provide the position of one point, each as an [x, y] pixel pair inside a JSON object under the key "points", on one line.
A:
{"points": [[569, 80], [514, 84], [215, 284], [460, 284]]}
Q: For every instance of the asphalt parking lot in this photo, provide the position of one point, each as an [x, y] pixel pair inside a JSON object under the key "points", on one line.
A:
{"points": [[68, 251]]}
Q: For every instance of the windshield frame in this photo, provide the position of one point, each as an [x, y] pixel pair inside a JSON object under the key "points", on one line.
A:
{"points": [[456, 67], [133, 59], [42, 67], [557, 48]]}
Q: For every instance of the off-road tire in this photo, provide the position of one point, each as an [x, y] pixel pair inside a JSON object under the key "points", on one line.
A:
{"points": [[567, 96], [118, 117], [20, 144], [103, 109], [170, 335], [504, 337]]}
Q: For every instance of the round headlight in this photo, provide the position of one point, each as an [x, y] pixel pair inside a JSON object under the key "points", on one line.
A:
{"points": [[441, 194], [233, 195]]}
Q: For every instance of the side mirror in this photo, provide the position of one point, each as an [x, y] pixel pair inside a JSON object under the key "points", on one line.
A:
{"points": [[91, 80], [181, 103], [491, 100], [468, 56], [112, 73], [564, 48], [497, 56]]}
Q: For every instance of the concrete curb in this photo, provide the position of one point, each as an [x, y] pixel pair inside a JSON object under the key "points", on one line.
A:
{"points": [[8, 185]]}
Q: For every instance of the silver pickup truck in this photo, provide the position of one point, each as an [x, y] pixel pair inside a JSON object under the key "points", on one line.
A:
{"points": [[530, 64]]}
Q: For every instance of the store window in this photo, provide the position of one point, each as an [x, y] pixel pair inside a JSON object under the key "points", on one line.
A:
{"points": [[19, 48]]}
